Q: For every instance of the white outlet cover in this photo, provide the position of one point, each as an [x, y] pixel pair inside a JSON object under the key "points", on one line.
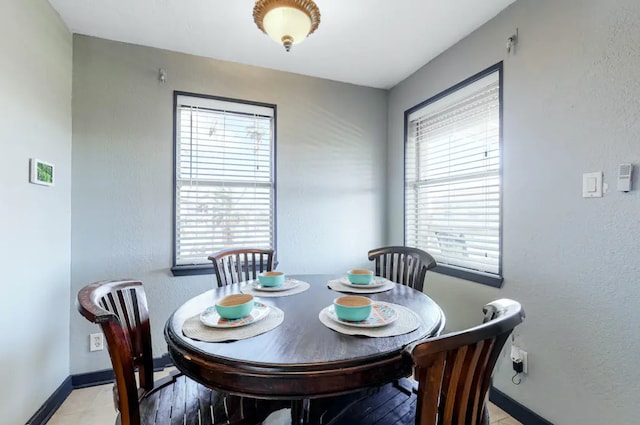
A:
{"points": [[96, 342]]}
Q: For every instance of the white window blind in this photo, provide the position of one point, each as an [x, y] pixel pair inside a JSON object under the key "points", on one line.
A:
{"points": [[452, 177], [224, 177]]}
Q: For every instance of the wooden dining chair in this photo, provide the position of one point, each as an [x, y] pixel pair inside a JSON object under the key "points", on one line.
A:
{"points": [[453, 373], [120, 308], [240, 264], [402, 264]]}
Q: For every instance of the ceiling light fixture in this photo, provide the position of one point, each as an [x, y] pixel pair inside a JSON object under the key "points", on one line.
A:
{"points": [[287, 21]]}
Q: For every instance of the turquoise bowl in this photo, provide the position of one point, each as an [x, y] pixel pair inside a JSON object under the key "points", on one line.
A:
{"points": [[360, 276], [353, 308], [271, 279], [235, 306]]}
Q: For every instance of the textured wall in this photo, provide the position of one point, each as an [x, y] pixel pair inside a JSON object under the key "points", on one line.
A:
{"points": [[331, 147], [571, 105], [35, 221]]}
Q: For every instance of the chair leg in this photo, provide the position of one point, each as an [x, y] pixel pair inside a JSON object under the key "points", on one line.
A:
{"points": [[397, 384], [485, 415], [250, 411], [300, 411]]}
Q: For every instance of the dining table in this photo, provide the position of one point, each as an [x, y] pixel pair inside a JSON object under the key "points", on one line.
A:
{"points": [[302, 358]]}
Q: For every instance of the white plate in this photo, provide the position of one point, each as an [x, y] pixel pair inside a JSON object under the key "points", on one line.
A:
{"points": [[382, 314], [375, 283], [288, 284], [210, 317]]}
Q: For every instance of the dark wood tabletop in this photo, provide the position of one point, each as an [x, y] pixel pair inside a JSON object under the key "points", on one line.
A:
{"points": [[301, 358]]}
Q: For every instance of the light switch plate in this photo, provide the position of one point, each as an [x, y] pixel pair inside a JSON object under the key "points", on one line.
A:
{"points": [[592, 185]]}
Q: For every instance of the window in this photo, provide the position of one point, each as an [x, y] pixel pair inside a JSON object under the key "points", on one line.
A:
{"points": [[453, 178], [224, 178]]}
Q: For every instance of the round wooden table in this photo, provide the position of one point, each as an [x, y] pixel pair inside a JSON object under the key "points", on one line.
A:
{"points": [[301, 358]]}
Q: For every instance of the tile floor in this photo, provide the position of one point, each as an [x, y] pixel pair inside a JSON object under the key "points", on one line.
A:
{"points": [[94, 406]]}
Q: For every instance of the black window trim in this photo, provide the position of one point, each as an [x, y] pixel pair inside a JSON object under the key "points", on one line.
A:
{"points": [[202, 269], [478, 277]]}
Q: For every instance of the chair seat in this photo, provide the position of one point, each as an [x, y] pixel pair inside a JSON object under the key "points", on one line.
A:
{"points": [[180, 400], [391, 404], [382, 406]]}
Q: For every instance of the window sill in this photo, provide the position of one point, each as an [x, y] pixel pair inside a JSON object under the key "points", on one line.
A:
{"points": [[192, 270], [478, 277]]}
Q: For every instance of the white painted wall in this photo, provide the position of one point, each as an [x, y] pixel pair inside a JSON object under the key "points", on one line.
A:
{"points": [[331, 171], [571, 105], [35, 106]]}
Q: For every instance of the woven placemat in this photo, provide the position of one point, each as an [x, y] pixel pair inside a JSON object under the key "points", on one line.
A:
{"points": [[248, 289], [407, 321], [337, 285], [193, 328]]}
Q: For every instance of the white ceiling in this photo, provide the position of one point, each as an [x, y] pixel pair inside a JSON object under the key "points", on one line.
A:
{"points": [[375, 43]]}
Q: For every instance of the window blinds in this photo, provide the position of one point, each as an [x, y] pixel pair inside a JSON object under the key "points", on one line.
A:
{"points": [[452, 178], [224, 177]]}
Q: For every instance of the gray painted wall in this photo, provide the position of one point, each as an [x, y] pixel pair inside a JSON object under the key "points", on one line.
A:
{"points": [[570, 106], [35, 221], [331, 171]]}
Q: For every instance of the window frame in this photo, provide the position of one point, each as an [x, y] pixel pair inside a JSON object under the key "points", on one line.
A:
{"points": [[201, 269], [488, 279]]}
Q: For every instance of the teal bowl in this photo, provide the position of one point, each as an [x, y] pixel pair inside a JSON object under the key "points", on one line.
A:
{"points": [[235, 306], [353, 308], [360, 276], [274, 279]]}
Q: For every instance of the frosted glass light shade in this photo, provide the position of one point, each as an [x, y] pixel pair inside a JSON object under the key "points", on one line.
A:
{"points": [[287, 23]]}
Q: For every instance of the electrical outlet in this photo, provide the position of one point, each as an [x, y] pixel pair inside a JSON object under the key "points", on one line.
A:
{"points": [[96, 342], [518, 355]]}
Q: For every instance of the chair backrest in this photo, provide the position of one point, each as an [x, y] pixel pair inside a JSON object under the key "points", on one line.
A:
{"points": [[120, 308], [240, 264], [405, 265], [454, 370]]}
